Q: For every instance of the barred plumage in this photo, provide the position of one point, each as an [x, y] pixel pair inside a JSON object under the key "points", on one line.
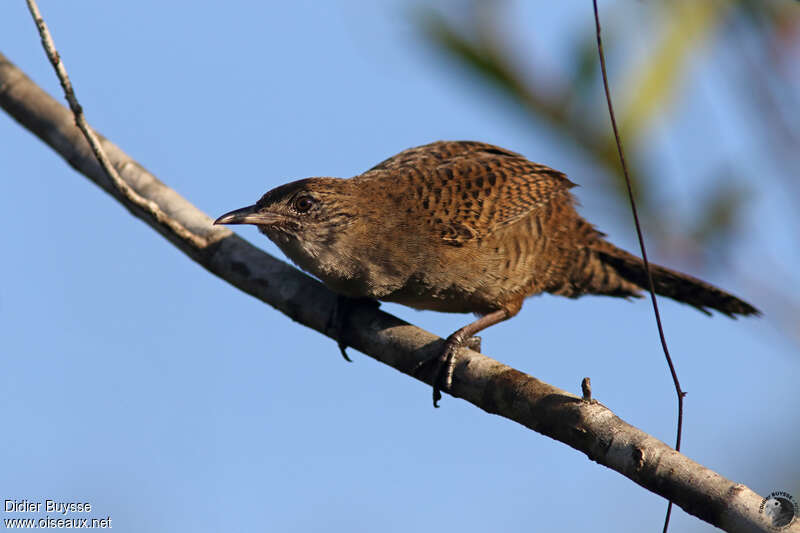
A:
{"points": [[461, 227]]}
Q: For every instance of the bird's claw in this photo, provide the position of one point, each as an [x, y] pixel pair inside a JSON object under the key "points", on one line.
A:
{"points": [[473, 343], [343, 350], [445, 365], [336, 322], [338, 318]]}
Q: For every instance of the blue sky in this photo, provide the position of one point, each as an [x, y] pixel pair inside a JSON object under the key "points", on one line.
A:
{"points": [[135, 380]]}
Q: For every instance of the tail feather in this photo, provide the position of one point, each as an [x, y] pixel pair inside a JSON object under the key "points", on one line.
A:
{"points": [[672, 284]]}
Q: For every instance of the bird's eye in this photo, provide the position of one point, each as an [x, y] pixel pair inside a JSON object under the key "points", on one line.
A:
{"points": [[303, 204]]}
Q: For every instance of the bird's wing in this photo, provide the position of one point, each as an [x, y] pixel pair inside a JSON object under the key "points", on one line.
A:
{"points": [[467, 190], [432, 154]]}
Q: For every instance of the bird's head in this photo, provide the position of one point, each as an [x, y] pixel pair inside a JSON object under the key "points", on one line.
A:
{"points": [[305, 218]]}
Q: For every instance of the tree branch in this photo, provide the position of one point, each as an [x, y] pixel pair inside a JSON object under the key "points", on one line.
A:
{"points": [[587, 426]]}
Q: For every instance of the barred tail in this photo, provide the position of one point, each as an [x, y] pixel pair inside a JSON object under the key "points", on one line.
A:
{"points": [[622, 269]]}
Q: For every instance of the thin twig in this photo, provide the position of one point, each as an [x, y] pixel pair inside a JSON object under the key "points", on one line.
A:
{"points": [[123, 188], [639, 235]]}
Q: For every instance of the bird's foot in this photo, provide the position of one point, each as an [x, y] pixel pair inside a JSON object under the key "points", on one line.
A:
{"points": [[338, 319], [473, 343], [446, 363]]}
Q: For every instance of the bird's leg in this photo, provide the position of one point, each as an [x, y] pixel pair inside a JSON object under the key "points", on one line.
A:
{"points": [[338, 319], [446, 360]]}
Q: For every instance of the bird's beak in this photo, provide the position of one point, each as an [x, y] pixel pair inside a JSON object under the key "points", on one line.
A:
{"points": [[248, 215]]}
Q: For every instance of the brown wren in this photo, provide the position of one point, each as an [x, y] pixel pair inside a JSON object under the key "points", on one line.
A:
{"points": [[458, 227]]}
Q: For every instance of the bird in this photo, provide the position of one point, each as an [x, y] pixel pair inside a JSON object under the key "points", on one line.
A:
{"points": [[459, 227]]}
